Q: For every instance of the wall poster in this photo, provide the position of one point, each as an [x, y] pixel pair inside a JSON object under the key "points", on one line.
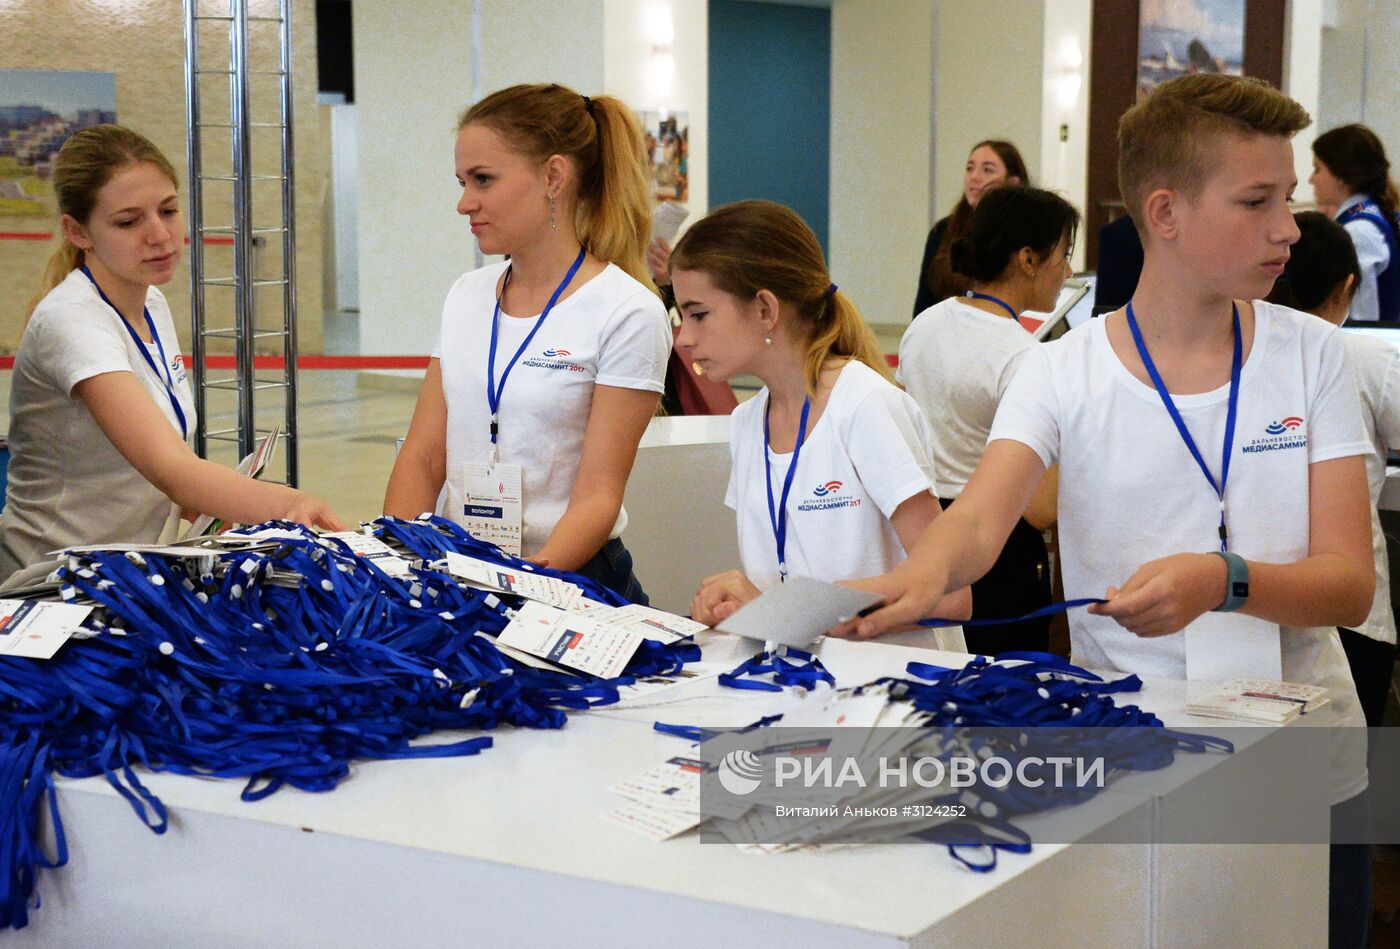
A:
{"points": [[39, 109], [1180, 37]]}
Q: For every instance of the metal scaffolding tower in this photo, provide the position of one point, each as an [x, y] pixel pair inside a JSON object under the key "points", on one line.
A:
{"points": [[250, 312]]}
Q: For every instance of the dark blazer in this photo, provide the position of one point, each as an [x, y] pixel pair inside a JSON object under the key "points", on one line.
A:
{"points": [[924, 298], [1120, 264]]}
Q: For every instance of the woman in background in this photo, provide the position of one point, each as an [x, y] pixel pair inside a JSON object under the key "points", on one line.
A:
{"points": [[956, 360], [1321, 278], [1352, 174], [990, 163]]}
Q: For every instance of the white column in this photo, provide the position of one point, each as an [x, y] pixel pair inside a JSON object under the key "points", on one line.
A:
{"points": [[412, 79], [881, 108], [1302, 64]]}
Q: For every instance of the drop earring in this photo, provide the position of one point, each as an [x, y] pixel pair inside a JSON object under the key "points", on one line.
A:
{"points": [[553, 224], [768, 341]]}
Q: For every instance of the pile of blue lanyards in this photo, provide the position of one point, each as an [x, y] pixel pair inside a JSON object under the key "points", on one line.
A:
{"points": [[277, 665], [1035, 707]]}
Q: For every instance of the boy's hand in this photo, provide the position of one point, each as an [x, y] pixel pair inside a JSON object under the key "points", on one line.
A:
{"points": [[1165, 595], [720, 595], [909, 597]]}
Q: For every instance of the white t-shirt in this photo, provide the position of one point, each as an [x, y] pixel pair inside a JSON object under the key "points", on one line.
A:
{"points": [[956, 361], [1130, 491], [1375, 363], [67, 483], [1373, 255], [866, 455], [611, 331]]}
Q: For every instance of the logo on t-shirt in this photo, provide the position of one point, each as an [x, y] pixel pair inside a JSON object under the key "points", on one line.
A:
{"points": [[1286, 425], [827, 498], [1279, 435], [177, 368], [553, 358]]}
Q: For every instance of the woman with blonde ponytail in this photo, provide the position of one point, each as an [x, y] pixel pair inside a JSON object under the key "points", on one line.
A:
{"points": [[831, 476], [549, 365], [100, 405]]}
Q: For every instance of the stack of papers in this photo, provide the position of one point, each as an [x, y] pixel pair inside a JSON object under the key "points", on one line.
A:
{"points": [[666, 221], [1262, 701]]}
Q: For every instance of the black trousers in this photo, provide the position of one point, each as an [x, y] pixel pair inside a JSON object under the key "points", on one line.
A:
{"points": [[1018, 583], [1372, 665], [612, 567]]}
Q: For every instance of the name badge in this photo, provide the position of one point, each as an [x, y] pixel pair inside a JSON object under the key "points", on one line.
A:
{"points": [[491, 508]]}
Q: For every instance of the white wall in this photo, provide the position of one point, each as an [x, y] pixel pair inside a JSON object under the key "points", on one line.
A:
{"points": [[990, 76], [636, 47], [1362, 63], [412, 79], [414, 76], [345, 182], [1065, 102], [881, 104], [1302, 79]]}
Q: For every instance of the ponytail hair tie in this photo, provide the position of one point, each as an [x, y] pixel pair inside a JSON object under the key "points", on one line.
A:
{"points": [[588, 104], [831, 291]]}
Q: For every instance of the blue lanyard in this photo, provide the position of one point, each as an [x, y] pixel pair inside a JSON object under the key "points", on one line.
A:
{"points": [[997, 300], [493, 391], [778, 517], [1051, 610], [167, 380], [1237, 360]]}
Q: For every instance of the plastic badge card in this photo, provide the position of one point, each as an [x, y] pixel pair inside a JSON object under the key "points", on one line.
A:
{"points": [[570, 639], [372, 548], [34, 629], [795, 613], [653, 624], [491, 509], [532, 586]]}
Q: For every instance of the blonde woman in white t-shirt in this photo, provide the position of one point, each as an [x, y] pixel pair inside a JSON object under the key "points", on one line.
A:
{"points": [[549, 366], [831, 474], [100, 407], [957, 359]]}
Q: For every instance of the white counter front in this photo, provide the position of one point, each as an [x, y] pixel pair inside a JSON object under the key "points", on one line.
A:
{"points": [[511, 847]]}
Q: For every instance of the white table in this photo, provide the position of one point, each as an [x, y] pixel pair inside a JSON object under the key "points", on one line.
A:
{"points": [[511, 847]]}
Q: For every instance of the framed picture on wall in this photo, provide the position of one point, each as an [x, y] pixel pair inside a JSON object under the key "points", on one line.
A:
{"points": [[1138, 44], [667, 137], [1181, 37], [39, 109]]}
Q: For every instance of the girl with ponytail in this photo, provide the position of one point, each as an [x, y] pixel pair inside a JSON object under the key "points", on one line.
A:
{"points": [[549, 365], [957, 359], [840, 450], [100, 405]]}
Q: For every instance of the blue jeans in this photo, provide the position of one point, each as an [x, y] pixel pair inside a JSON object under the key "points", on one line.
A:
{"points": [[612, 568]]}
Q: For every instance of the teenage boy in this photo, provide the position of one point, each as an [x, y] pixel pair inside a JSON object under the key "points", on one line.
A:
{"points": [[1135, 408]]}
